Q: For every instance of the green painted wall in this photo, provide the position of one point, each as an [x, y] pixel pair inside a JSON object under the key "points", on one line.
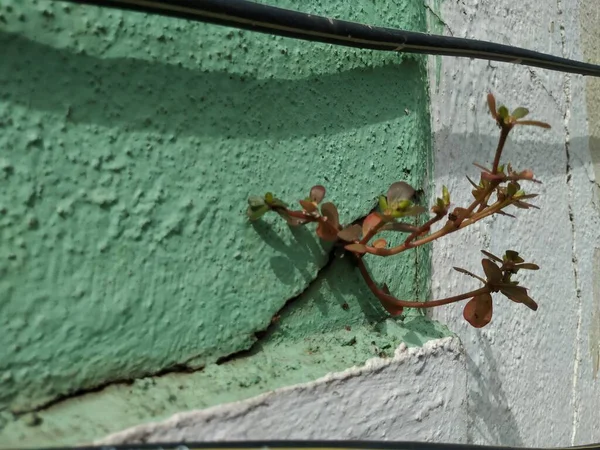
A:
{"points": [[128, 147]]}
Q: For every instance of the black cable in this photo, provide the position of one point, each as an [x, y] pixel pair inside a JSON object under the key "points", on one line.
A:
{"points": [[268, 19]]}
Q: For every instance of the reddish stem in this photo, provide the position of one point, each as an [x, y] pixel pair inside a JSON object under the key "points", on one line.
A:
{"points": [[391, 300]]}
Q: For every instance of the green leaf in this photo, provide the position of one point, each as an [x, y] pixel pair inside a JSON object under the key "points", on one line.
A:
{"points": [[399, 191], [257, 213], [255, 201], [519, 113], [446, 195], [383, 205], [503, 112]]}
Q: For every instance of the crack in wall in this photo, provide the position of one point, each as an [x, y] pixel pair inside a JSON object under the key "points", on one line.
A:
{"points": [[184, 366], [569, 175]]}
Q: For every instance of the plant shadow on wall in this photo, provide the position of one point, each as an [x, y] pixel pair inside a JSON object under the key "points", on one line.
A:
{"points": [[498, 188]]}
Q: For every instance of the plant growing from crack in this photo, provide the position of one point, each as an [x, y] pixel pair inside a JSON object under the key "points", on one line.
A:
{"points": [[498, 188]]}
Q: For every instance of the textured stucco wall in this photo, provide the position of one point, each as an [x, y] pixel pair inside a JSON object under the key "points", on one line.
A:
{"points": [[129, 146], [529, 377]]}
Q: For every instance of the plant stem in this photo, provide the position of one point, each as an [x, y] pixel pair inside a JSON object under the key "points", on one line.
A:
{"points": [[505, 130], [423, 228], [440, 233], [391, 300]]}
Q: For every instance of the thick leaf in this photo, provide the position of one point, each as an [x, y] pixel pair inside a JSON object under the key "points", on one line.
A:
{"points": [[256, 202], [351, 233], [492, 271], [330, 211], [513, 256], [383, 203], [466, 272], [446, 195], [356, 248], [257, 213], [491, 256], [524, 205], [527, 266], [370, 222], [326, 233], [308, 206], [518, 294], [400, 191], [390, 306], [380, 243], [476, 186], [519, 113], [503, 112], [478, 310], [502, 213], [491, 101], [317, 193], [534, 123]]}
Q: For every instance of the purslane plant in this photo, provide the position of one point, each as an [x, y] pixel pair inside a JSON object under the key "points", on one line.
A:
{"points": [[498, 188]]}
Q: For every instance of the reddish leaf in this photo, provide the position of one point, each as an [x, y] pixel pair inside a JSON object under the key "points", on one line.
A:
{"points": [[356, 248], [351, 233], [492, 271], [518, 294], [370, 222], [482, 168], [317, 193], [291, 221], [326, 232], [491, 101], [492, 256], [478, 310], [466, 272], [535, 123], [329, 211], [528, 266], [307, 206], [380, 243]]}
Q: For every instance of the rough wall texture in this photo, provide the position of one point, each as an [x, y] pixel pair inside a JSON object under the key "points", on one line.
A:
{"points": [[365, 402], [529, 376], [129, 146]]}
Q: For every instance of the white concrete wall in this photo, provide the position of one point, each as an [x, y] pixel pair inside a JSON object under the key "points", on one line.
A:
{"points": [[386, 399], [530, 380]]}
